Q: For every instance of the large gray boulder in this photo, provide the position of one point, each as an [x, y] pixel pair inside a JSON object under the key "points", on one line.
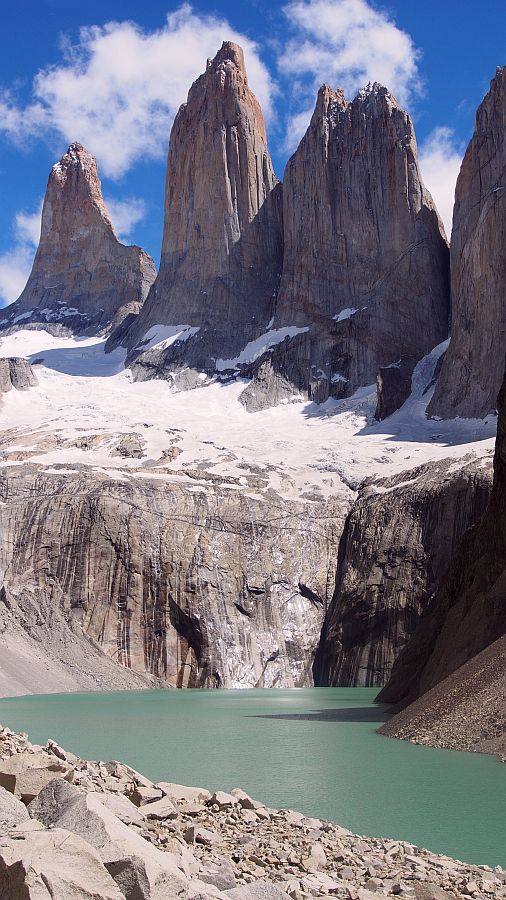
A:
{"points": [[16, 372], [141, 871], [12, 811], [38, 864]]}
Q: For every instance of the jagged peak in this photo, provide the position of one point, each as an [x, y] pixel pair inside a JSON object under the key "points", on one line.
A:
{"points": [[374, 90], [228, 53]]}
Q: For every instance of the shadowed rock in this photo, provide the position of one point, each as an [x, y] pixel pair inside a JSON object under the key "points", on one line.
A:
{"points": [[472, 371]]}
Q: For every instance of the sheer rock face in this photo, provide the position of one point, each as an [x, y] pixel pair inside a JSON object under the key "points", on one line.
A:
{"points": [[468, 612], [200, 588], [398, 541], [472, 371], [365, 258], [222, 242], [82, 276]]}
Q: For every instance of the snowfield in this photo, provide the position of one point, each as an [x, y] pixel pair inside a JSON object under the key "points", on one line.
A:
{"points": [[86, 409]]}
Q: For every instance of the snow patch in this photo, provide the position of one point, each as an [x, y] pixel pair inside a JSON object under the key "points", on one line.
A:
{"points": [[347, 313], [258, 347], [159, 337]]}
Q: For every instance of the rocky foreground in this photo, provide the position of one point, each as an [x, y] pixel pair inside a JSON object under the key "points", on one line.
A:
{"points": [[70, 828]]}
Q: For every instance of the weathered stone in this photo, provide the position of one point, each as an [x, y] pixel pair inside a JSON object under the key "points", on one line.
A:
{"points": [[82, 276], [182, 792], [393, 387], [138, 868], [16, 372], [143, 795], [399, 536], [365, 266], [260, 578], [223, 800], [221, 250], [465, 617], [53, 865], [160, 809], [220, 876], [473, 367], [12, 811], [123, 808]]}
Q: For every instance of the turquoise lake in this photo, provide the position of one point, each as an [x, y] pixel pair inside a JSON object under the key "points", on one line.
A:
{"points": [[314, 750]]}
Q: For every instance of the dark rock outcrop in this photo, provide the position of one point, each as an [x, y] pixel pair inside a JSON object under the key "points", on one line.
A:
{"points": [[82, 276], [393, 387], [365, 266], [16, 372], [398, 540], [468, 611], [473, 368], [222, 242]]}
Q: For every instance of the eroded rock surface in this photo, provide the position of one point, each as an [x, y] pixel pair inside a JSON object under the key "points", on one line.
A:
{"points": [[82, 277], [365, 267], [222, 242], [198, 586], [16, 372], [398, 540], [468, 612], [472, 371]]}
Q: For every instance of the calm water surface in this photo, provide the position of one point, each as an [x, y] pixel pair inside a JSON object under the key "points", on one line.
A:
{"points": [[315, 750]]}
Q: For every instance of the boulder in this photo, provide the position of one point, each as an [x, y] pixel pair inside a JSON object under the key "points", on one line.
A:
{"points": [[223, 800], [257, 890], [160, 809], [25, 774], [53, 865], [182, 792], [139, 869], [393, 387], [12, 811]]}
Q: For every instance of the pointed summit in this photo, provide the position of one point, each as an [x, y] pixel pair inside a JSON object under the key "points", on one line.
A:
{"points": [[222, 241], [82, 277], [365, 268]]}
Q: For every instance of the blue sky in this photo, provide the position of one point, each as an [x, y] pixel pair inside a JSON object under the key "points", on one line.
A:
{"points": [[112, 75]]}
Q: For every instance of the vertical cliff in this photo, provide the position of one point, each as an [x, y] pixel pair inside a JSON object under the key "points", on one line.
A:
{"points": [[82, 277], [365, 265], [473, 368], [468, 611], [222, 241], [398, 540]]}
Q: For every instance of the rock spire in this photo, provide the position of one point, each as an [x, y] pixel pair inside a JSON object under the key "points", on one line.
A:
{"points": [[365, 258], [82, 277], [473, 367], [221, 252]]}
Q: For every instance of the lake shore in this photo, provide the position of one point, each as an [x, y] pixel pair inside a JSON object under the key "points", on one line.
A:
{"points": [[224, 845]]}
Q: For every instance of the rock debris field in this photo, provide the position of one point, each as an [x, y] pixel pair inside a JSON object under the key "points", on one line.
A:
{"points": [[70, 828]]}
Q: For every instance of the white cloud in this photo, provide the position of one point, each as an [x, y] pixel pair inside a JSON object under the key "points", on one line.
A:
{"points": [[440, 161], [16, 263], [15, 266], [28, 226], [125, 214], [118, 89], [346, 43]]}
